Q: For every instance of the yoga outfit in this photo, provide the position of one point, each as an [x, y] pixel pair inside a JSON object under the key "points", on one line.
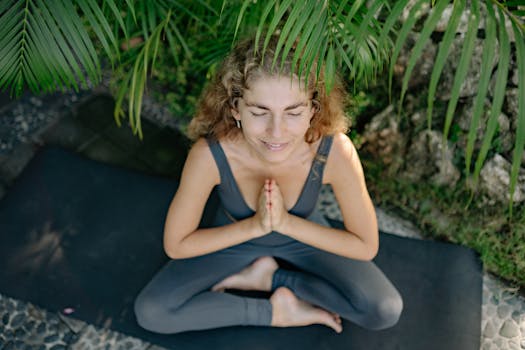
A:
{"points": [[179, 298]]}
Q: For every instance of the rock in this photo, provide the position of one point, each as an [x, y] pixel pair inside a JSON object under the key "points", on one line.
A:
{"points": [[17, 321], [518, 317], [420, 14], [491, 310], [509, 329], [5, 319], [469, 86], [427, 158], [445, 19], [382, 138], [504, 135], [495, 180], [490, 331], [422, 71], [58, 347], [503, 311], [51, 338], [41, 329], [511, 105]]}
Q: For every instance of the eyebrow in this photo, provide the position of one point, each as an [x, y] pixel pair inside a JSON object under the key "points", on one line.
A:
{"points": [[294, 106]]}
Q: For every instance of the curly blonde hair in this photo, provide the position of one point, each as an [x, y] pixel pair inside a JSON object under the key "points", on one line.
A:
{"points": [[214, 119]]}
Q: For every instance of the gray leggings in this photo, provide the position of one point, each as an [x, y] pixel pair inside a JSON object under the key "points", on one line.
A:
{"points": [[179, 298]]}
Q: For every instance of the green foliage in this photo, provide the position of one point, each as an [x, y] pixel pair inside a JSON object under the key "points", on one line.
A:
{"points": [[445, 213], [47, 45]]}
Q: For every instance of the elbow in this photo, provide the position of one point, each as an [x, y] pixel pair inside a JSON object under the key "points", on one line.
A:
{"points": [[171, 253], [172, 249], [372, 251]]}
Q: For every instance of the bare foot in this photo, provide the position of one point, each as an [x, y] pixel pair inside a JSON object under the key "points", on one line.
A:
{"points": [[288, 310], [257, 276]]}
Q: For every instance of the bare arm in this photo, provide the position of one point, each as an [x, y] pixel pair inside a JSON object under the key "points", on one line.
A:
{"points": [[344, 172], [182, 237]]}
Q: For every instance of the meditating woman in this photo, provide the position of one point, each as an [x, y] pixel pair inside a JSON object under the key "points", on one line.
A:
{"points": [[266, 140]]}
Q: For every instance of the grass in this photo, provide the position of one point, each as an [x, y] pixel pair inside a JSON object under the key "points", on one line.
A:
{"points": [[446, 214]]}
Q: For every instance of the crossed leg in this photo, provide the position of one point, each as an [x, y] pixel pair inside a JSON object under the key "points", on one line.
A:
{"points": [[356, 290], [179, 298]]}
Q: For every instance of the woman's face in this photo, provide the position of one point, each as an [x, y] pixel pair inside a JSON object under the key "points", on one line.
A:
{"points": [[275, 113]]}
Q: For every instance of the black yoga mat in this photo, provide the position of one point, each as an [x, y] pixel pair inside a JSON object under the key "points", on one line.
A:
{"points": [[75, 233]]}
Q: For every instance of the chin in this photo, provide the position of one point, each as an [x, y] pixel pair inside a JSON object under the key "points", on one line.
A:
{"points": [[272, 156]]}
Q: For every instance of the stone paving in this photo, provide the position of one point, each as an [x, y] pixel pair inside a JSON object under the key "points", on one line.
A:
{"points": [[26, 326]]}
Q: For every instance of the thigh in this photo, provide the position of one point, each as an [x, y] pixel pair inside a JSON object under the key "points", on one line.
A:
{"points": [[180, 279], [362, 282]]}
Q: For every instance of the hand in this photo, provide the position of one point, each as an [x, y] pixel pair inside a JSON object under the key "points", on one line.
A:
{"points": [[262, 216], [278, 212]]}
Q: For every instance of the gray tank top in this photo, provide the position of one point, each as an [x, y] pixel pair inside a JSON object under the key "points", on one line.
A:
{"points": [[231, 197]]}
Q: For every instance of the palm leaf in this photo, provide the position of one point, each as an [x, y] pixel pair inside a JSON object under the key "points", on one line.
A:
{"points": [[281, 10], [43, 48], [485, 74], [499, 94], [417, 50], [330, 69], [391, 20], [293, 18], [312, 46], [463, 67], [442, 55], [401, 38], [240, 17], [100, 26], [520, 132], [297, 28], [136, 79]]}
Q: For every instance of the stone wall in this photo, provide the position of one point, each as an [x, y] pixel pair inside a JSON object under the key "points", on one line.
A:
{"points": [[412, 151]]}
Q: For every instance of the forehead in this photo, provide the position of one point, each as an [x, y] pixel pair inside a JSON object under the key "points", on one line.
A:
{"points": [[274, 88]]}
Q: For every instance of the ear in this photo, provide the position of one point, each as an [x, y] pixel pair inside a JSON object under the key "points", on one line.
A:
{"points": [[235, 113], [316, 107], [234, 110]]}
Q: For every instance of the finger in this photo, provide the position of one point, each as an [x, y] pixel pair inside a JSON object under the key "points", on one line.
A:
{"points": [[217, 288]]}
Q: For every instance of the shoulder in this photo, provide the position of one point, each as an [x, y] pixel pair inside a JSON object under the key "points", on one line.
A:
{"points": [[343, 157], [200, 152], [342, 148], [200, 161]]}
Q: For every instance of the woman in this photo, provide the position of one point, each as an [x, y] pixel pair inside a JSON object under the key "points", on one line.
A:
{"points": [[267, 141]]}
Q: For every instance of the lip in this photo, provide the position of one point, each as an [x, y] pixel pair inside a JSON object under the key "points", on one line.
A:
{"points": [[275, 146]]}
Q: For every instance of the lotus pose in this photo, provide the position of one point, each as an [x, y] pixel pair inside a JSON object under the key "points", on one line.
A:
{"points": [[266, 140]]}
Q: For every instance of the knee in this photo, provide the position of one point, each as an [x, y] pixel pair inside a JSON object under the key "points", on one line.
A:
{"points": [[149, 313], [386, 312]]}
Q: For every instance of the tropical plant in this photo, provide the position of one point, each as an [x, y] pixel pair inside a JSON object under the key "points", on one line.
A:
{"points": [[48, 45]]}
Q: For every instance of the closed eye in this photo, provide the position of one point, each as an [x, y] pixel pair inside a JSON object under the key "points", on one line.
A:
{"points": [[258, 114]]}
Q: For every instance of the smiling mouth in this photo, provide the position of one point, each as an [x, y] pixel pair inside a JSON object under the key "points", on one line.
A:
{"points": [[275, 146]]}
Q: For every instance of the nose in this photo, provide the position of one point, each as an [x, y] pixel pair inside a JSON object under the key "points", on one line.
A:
{"points": [[276, 126]]}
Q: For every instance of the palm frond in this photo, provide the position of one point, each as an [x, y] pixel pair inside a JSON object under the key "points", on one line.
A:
{"points": [[485, 75], [417, 50], [442, 55], [135, 80], [499, 94], [44, 49], [400, 41], [100, 25], [520, 132], [463, 66]]}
